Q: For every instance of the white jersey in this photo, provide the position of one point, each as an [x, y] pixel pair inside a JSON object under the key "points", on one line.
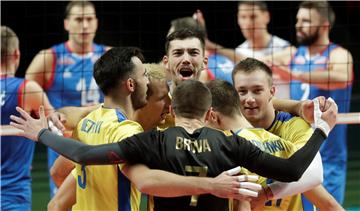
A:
{"points": [[276, 44]]}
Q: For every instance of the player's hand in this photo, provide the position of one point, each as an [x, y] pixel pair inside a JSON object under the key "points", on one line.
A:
{"points": [[325, 120], [58, 119], [229, 185], [306, 109], [198, 15], [29, 126]]}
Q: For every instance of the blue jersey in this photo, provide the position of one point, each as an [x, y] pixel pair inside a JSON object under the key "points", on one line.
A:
{"points": [[221, 67], [72, 82], [334, 150], [16, 152]]}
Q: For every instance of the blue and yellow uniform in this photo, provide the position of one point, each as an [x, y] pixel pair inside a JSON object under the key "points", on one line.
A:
{"points": [[105, 187], [72, 83], [334, 150], [298, 131], [16, 152], [274, 145]]}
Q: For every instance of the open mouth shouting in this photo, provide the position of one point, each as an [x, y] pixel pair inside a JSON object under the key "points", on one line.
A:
{"points": [[186, 73]]}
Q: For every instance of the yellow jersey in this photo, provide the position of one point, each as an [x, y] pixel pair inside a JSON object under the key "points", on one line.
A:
{"points": [[298, 131], [104, 187]]}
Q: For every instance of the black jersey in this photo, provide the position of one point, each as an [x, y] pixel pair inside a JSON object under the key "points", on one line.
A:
{"points": [[205, 152]]}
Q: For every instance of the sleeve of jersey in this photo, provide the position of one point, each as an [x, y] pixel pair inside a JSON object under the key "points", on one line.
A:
{"points": [[143, 148], [284, 170], [82, 153], [312, 177]]}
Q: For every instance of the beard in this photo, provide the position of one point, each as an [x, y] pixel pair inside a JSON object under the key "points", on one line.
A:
{"points": [[308, 39], [138, 98]]}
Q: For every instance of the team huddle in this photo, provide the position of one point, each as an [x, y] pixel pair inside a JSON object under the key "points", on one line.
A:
{"points": [[178, 131]]}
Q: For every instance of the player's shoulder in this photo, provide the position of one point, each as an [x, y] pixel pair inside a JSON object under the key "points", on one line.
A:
{"points": [[286, 117], [279, 40], [338, 51]]}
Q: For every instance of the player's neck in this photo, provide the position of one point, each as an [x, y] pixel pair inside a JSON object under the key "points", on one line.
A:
{"points": [[260, 42], [235, 123], [7, 69], [266, 120], [82, 48], [123, 105], [190, 125]]}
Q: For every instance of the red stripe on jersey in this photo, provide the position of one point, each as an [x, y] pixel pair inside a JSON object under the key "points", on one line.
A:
{"points": [[21, 93], [53, 66]]}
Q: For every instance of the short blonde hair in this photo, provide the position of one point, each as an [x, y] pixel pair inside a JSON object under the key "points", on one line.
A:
{"points": [[9, 42], [156, 71]]}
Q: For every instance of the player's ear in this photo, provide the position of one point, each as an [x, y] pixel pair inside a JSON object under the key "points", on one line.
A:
{"points": [[130, 84], [208, 115], [66, 24], [171, 110], [165, 61], [272, 92]]}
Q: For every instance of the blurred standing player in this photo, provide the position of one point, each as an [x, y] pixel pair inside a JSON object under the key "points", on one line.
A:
{"points": [[65, 70], [218, 66], [253, 18], [319, 67], [16, 152]]}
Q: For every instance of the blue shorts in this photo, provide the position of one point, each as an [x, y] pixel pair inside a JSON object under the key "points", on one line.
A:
{"points": [[335, 179], [52, 156]]}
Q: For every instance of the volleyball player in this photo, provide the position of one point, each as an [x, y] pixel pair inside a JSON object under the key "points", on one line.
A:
{"points": [[320, 67], [16, 152], [253, 18], [65, 71], [253, 82], [219, 66], [189, 147]]}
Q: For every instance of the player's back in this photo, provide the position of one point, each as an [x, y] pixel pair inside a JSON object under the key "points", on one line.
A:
{"points": [[105, 187], [16, 152], [205, 152]]}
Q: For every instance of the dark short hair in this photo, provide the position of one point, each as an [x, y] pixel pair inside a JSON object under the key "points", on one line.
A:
{"points": [[323, 8], [114, 67], [183, 34], [249, 65], [188, 23], [191, 99], [72, 4], [260, 4], [225, 98]]}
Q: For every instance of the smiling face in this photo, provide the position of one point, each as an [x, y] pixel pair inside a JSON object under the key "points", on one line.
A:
{"points": [[185, 59], [255, 93]]}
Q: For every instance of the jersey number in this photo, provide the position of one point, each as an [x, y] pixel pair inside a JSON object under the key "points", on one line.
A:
{"points": [[306, 91], [201, 171], [2, 95], [82, 179], [88, 96]]}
